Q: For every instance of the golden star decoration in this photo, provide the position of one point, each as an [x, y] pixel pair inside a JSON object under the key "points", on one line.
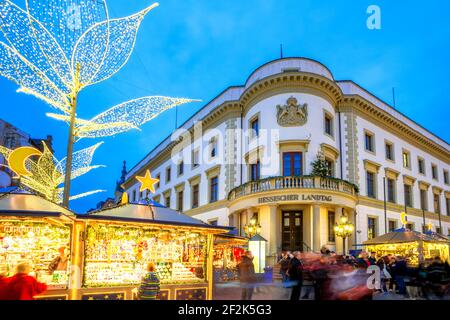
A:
{"points": [[147, 182]]}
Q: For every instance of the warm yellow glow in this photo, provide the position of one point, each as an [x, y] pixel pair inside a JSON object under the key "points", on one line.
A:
{"points": [[147, 182], [45, 175], [404, 218], [17, 160], [124, 198]]}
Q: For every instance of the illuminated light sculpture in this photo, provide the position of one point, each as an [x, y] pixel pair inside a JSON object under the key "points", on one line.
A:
{"points": [[344, 229], [252, 228], [45, 175], [147, 182], [54, 49]]}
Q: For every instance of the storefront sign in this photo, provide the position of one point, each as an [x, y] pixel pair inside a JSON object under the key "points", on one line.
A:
{"points": [[304, 197]]}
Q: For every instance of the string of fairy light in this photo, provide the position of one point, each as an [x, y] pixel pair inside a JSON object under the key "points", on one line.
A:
{"points": [[53, 50]]}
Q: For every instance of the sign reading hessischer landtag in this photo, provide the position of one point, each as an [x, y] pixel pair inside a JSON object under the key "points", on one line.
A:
{"points": [[296, 197]]}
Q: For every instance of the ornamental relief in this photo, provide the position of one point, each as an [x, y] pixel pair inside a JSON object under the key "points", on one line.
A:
{"points": [[292, 114]]}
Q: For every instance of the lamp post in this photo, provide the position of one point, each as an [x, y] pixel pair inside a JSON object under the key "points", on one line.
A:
{"points": [[344, 229], [252, 228]]}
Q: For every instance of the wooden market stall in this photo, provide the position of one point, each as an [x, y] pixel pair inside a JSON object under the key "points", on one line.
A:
{"points": [[416, 247], [107, 250], [116, 244], [37, 231], [228, 250]]}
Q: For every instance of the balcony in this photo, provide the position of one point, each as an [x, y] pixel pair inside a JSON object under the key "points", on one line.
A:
{"points": [[290, 183]]}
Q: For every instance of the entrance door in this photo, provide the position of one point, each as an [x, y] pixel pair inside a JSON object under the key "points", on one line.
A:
{"points": [[292, 231]]}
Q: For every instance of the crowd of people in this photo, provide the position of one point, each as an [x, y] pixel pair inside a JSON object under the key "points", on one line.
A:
{"points": [[337, 277]]}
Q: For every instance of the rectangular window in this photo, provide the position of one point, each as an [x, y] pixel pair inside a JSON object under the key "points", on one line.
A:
{"points": [[292, 164], [331, 223], [406, 159], [446, 177], [369, 142], [392, 225], [437, 204], [168, 174], [254, 124], [410, 226], [329, 125], [134, 196], [195, 196], [371, 184], [180, 201], [181, 168], [371, 228], [391, 190], [330, 166], [438, 230], [255, 173], [167, 201], [214, 189], [389, 151], [447, 201], [434, 172], [423, 200], [408, 195], [213, 147], [213, 222], [421, 164], [195, 159]]}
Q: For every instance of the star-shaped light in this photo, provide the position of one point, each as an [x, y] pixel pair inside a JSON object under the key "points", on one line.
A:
{"points": [[147, 182]]}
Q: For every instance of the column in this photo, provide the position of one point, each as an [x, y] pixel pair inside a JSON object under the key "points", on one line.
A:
{"points": [[339, 243], [352, 240], [316, 228], [268, 221]]}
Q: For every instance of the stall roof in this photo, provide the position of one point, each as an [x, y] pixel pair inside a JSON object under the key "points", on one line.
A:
{"points": [[149, 214], [403, 236], [15, 201]]}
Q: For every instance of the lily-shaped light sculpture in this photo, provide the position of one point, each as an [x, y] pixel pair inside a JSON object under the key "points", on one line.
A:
{"points": [[56, 48], [43, 173]]}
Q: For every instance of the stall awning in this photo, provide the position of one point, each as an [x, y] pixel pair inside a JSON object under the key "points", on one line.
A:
{"points": [[141, 213], [404, 236], [20, 203]]}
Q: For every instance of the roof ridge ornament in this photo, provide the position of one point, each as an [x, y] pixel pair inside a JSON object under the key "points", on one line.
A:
{"points": [[292, 114]]}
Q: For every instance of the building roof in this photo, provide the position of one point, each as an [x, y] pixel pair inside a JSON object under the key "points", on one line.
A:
{"points": [[405, 236], [278, 66], [142, 213], [15, 201]]}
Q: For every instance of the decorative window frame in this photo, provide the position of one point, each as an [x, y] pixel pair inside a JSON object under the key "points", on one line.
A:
{"points": [[374, 144], [329, 115], [390, 143], [409, 157], [424, 173], [251, 135], [293, 146], [435, 166]]}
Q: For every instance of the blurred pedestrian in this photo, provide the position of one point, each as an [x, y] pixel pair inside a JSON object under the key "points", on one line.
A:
{"points": [[295, 275], [363, 260], [4, 280], [22, 286], [247, 275], [150, 284], [284, 267], [400, 270], [385, 275], [373, 258]]}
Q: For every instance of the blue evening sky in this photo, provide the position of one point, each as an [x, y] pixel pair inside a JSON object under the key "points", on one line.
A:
{"points": [[197, 48]]}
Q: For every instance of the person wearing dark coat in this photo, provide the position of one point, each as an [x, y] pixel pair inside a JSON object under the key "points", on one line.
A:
{"points": [[284, 267], [400, 271], [247, 275], [295, 275]]}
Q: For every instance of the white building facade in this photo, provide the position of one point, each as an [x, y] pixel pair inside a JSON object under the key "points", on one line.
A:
{"points": [[249, 153]]}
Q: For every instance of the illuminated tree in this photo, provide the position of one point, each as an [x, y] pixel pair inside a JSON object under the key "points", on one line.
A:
{"points": [[56, 48]]}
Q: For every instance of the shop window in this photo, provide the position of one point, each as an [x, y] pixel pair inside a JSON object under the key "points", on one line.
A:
{"points": [[195, 189], [181, 168], [180, 201], [434, 172], [371, 188], [331, 223], [406, 156], [408, 195], [214, 189], [421, 165], [391, 190], [254, 125], [329, 125], [392, 225], [292, 164], [389, 151], [255, 171], [371, 228], [437, 205], [369, 142], [423, 200]]}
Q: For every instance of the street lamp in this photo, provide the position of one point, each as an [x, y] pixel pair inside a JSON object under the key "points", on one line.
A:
{"points": [[252, 228], [344, 229]]}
